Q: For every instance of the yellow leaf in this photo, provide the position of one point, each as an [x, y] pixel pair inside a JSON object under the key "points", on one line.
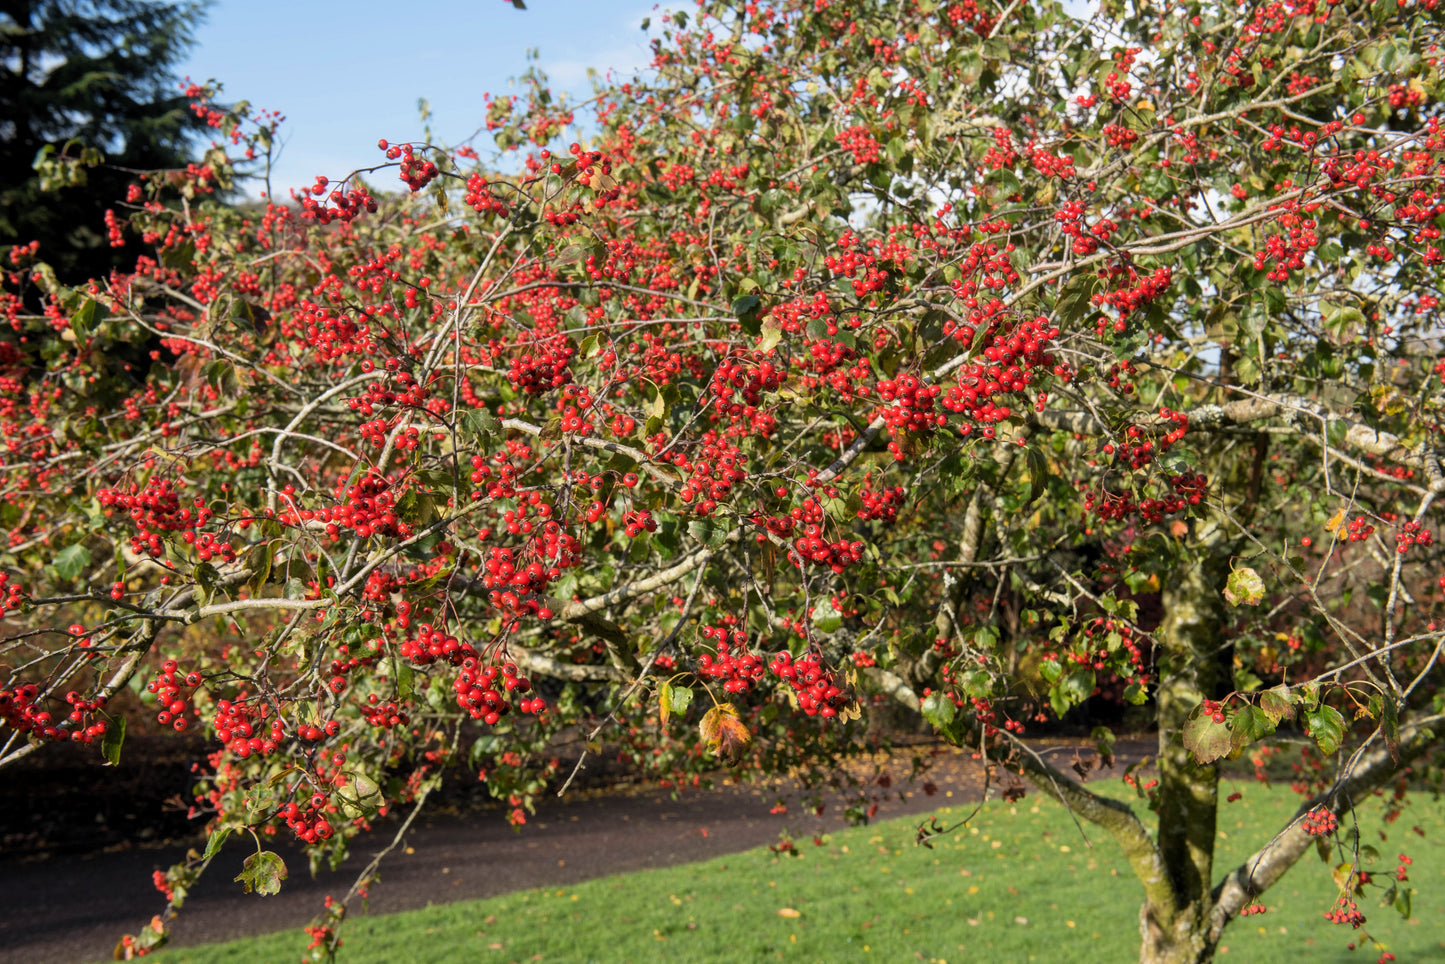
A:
{"points": [[723, 732], [789, 912], [1336, 520]]}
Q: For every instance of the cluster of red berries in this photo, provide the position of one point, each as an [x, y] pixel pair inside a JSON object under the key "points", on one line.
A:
{"points": [[882, 505], [1411, 534], [1118, 136], [14, 596], [638, 522], [812, 549], [309, 823], [417, 172], [22, 710], [1402, 872], [721, 465], [1319, 821], [155, 508], [739, 672], [1252, 910], [477, 693], [384, 715], [1359, 529], [734, 376], [542, 366], [237, 723], [311, 733], [1346, 911], [369, 509], [1213, 709], [167, 686], [483, 200], [912, 409], [860, 142], [343, 206], [1133, 296], [814, 683]]}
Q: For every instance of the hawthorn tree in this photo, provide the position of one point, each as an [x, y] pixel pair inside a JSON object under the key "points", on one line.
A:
{"points": [[965, 357]]}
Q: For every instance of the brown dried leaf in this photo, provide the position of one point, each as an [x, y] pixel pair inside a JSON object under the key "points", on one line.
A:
{"points": [[723, 732]]}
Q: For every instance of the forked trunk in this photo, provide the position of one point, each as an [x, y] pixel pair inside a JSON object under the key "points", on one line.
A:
{"points": [[1190, 656], [1179, 938]]}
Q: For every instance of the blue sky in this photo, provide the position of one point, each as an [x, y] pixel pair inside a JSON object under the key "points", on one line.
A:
{"points": [[346, 74]]}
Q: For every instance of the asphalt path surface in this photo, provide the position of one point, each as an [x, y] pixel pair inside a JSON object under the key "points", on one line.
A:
{"points": [[72, 909]]}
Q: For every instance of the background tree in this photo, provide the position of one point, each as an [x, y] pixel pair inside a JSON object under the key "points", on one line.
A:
{"points": [[91, 84], [986, 361]]}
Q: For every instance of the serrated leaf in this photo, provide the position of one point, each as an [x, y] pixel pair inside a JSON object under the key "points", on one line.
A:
{"points": [[679, 698], [939, 709], [772, 334], [71, 561], [1390, 728], [707, 532], [1038, 475], [405, 681], [83, 321], [1275, 704], [295, 589], [261, 558], [745, 309], [1245, 587], [1205, 739], [1076, 297], [1326, 725], [360, 797], [216, 841], [826, 617], [723, 732], [262, 872], [113, 740], [1249, 725]]}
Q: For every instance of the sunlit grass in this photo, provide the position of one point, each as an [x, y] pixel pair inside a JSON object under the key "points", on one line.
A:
{"points": [[1017, 884]]}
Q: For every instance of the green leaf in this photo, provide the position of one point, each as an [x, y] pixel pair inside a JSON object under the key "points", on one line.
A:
{"points": [[1327, 726], [1038, 475], [262, 872], [1249, 725], [71, 561], [216, 841], [938, 709], [1074, 300], [1390, 727], [707, 532], [745, 309], [1245, 586], [83, 321], [360, 797], [296, 589], [826, 617], [679, 698], [405, 681], [477, 423], [1275, 703], [1205, 739], [113, 740]]}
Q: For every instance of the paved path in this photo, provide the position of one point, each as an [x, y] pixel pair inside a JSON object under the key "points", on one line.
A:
{"points": [[65, 910]]}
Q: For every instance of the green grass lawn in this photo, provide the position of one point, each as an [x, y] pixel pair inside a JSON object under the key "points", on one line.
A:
{"points": [[1017, 884]]}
